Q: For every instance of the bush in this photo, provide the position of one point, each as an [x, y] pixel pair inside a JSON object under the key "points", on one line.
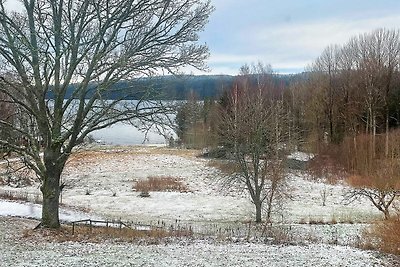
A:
{"points": [[161, 183], [225, 166], [326, 164], [385, 236]]}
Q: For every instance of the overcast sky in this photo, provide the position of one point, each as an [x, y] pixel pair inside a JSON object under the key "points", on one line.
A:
{"points": [[288, 34]]}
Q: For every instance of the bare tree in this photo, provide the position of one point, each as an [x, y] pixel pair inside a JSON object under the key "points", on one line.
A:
{"points": [[327, 65], [66, 57], [253, 128], [377, 178]]}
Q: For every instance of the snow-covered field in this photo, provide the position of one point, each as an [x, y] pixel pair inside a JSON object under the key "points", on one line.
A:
{"points": [[17, 251], [101, 181]]}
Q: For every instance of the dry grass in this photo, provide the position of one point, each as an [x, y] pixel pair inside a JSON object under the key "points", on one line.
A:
{"points": [[320, 221], [316, 221], [325, 167], [384, 236], [95, 154], [12, 196], [20, 196], [91, 156], [225, 166], [97, 234], [161, 184]]}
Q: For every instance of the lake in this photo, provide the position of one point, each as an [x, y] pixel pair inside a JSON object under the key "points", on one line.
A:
{"points": [[125, 134]]}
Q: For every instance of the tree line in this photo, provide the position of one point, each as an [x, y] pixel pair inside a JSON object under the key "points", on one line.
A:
{"points": [[345, 109]]}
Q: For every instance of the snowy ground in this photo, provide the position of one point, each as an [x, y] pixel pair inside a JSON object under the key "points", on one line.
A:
{"points": [[20, 251], [101, 180], [34, 211]]}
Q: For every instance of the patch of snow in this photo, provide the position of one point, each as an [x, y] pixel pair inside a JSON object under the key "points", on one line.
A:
{"points": [[34, 211], [301, 156]]}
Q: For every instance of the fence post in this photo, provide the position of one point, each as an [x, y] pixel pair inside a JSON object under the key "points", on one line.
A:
{"points": [[249, 231], [73, 228]]}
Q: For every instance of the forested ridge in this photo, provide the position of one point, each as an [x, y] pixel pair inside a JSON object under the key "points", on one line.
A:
{"points": [[175, 87]]}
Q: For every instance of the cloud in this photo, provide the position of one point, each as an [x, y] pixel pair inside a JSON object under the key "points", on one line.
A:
{"points": [[292, 46], [313, 37], [13, 5], [231, 58], [230, 63]]}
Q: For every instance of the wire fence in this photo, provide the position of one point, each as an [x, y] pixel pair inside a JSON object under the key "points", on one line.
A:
{"points": [[338, 234]]}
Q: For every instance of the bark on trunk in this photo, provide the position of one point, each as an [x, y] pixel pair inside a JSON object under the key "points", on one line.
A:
{"points": [[258, 211], [386, 213], [387, 135], [50, 208], [51, 191]]}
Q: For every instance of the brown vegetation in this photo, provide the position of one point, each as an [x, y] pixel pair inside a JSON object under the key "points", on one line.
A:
{"points": [[326, 166], [383, 236], [86, 233], [161, 183], [374, 171], [23, 196], [225, 166]]}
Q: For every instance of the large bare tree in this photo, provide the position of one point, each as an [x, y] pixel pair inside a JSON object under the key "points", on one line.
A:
{"points": [[65, 58], [254, 127]]}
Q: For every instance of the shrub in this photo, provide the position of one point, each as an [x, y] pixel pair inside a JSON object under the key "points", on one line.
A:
{"points": [[161, 183], [225, 166], [385, 236], [9, 195], [325, 165]]}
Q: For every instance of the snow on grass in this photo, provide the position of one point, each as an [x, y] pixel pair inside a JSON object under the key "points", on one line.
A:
{"points": [[301, 156], [102, 181], [307, 203], [34, 211], [17, 250], [191, 254]]}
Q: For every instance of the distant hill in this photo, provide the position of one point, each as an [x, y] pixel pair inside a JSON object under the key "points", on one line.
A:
{"points": [[173, 87]]}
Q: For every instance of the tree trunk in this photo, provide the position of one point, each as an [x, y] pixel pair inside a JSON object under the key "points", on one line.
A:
{"points": [[374, 137], [386, 213], [387, 134], [269, 202], [51, 191], [258, 205]]}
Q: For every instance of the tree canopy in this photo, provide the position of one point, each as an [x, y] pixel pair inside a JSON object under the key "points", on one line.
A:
{"points": [[52, 44]]}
